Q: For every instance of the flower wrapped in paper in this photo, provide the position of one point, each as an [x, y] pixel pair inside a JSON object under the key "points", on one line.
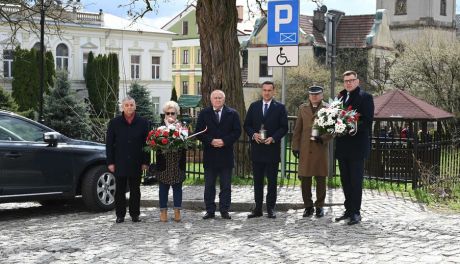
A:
{"points": [[167, 138], [337, 120]]}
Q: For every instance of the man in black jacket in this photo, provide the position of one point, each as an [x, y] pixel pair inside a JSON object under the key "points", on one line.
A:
{"points": [[223, 130], [352, 150], [266, 124], [126, 158]]}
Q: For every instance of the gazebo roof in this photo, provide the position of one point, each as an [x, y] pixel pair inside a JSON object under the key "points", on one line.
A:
{"points": [[398, 104]]}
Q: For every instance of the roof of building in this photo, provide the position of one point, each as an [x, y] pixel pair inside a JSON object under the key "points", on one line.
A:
{"points": [[189, 101], [397, 104], [114, 22]]}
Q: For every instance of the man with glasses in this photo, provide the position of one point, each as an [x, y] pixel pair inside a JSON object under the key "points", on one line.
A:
{"points": [[351, 151], [223, 130]]}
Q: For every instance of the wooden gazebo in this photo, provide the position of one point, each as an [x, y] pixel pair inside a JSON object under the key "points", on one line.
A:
{"points": [[406, 137]]}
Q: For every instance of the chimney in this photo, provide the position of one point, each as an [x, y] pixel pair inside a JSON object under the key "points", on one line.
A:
{"points": [[240, 11]]}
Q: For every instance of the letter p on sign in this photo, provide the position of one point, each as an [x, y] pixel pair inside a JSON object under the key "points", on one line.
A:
{"points": [[278, 19]]}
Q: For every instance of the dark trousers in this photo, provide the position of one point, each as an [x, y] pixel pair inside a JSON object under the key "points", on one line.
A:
{"points": [[320, 191], [260, 169], [225, 195], [134, 196], [163, 195], [351, 176]]}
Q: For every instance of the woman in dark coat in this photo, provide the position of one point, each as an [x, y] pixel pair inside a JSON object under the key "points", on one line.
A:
{"points": [[171, 168]]}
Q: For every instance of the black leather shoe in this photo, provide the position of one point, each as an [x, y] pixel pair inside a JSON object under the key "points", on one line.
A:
{"points": [[345, 216], [135, 219], [308, 211], [225, 215], [319, 212], [271, 214], [254, 214], [354, 219], [120, 220], [208, 216]]}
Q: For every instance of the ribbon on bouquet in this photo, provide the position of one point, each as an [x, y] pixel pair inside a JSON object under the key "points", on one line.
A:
{"points": [[197, 133], [354, 130]]}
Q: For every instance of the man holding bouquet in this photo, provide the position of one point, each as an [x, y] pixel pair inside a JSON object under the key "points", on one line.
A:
{"points": [[352, 149], [311, 149]]}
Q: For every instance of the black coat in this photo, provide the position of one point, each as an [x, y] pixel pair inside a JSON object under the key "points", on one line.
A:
{"points": [[125, 145], [276, 124], [228, 129], [357, 146]]}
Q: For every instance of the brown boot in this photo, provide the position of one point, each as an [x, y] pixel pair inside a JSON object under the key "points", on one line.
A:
{"points": [[164, 215], [177, 217]]}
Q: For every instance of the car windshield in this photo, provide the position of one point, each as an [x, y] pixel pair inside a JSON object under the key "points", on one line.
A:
{"points": [[18, 129]]}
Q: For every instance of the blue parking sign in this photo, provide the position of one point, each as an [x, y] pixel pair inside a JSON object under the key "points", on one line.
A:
{"points": [[283, 23]]}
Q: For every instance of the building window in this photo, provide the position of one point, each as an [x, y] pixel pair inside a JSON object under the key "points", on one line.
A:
{"points": [[401, 7], [264, 70], [156, 68], [185, 87], [8, 63], [443, 8], [185, 57], [387, 70], [198, 56], [85, 62], [62, 57], [184, 27], [156, 105], [198, 88], [173, 57], [135, 66], [377, 68]]}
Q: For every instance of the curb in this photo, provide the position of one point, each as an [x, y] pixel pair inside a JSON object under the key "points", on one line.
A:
{"points": [[235, 206]]}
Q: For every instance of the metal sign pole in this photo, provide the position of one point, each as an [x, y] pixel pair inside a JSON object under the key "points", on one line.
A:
{"points": [[283, 140]]}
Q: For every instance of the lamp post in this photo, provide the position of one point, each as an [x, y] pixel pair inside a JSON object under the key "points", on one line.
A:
{"points": [[42, 60]]}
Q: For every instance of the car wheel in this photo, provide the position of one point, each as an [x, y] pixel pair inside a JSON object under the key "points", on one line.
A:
{"points": [[98, 189]]}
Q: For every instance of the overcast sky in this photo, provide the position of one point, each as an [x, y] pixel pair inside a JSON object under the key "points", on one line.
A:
{"points": [[170, 8]]}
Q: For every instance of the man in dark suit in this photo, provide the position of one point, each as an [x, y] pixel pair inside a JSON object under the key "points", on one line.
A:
{"points": [[126, 158], [223, 129], [271, 116], [352, 150]]}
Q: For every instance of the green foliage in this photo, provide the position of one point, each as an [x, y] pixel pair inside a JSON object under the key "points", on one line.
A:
{"points": [[102, 81], [63, 112], [7, 102], [144, 106], [174, 94], [26, 77]]}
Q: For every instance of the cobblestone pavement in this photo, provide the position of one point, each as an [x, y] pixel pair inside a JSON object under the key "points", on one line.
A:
{"points": [[393, 230]]}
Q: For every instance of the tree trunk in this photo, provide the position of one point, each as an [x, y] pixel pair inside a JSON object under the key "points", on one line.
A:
{"points": [[220, 62]]}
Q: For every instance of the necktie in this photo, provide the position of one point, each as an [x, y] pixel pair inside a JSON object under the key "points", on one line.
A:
{"points": [[217, 115], [265, 109], [348, 97]]}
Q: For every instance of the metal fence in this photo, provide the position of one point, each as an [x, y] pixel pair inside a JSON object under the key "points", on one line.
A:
{"points": [[407, 162]]}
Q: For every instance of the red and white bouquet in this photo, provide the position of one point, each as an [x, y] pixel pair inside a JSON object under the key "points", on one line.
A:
{"points": [[337, 120], [171, 137]]}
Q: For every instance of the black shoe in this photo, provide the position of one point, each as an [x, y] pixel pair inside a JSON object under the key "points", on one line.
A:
{"points": [[225, 215], [354, 219], [135, 219], [308, 211], [208, 216], [271, 214], [345, 216], [255, 213], [120, 220], [319, 212]]}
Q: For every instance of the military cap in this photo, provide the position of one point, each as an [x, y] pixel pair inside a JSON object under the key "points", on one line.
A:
{"points": [[315, 89]]}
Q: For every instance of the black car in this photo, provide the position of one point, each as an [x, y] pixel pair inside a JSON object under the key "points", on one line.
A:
{"points": [[40, 164]]}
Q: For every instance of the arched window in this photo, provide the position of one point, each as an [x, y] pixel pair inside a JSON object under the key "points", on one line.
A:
{"points": [[443, 8], [36, 46], [62, 57], [401, 7]]}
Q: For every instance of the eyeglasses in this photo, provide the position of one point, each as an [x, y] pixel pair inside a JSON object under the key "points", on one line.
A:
{"points": [[349, 81], [170, 113]]}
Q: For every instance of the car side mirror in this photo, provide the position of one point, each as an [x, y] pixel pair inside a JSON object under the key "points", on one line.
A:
{"points": [[51, 138]]}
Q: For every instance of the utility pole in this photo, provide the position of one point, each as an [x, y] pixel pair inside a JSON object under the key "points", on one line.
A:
{"points": [[42, 59]]}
